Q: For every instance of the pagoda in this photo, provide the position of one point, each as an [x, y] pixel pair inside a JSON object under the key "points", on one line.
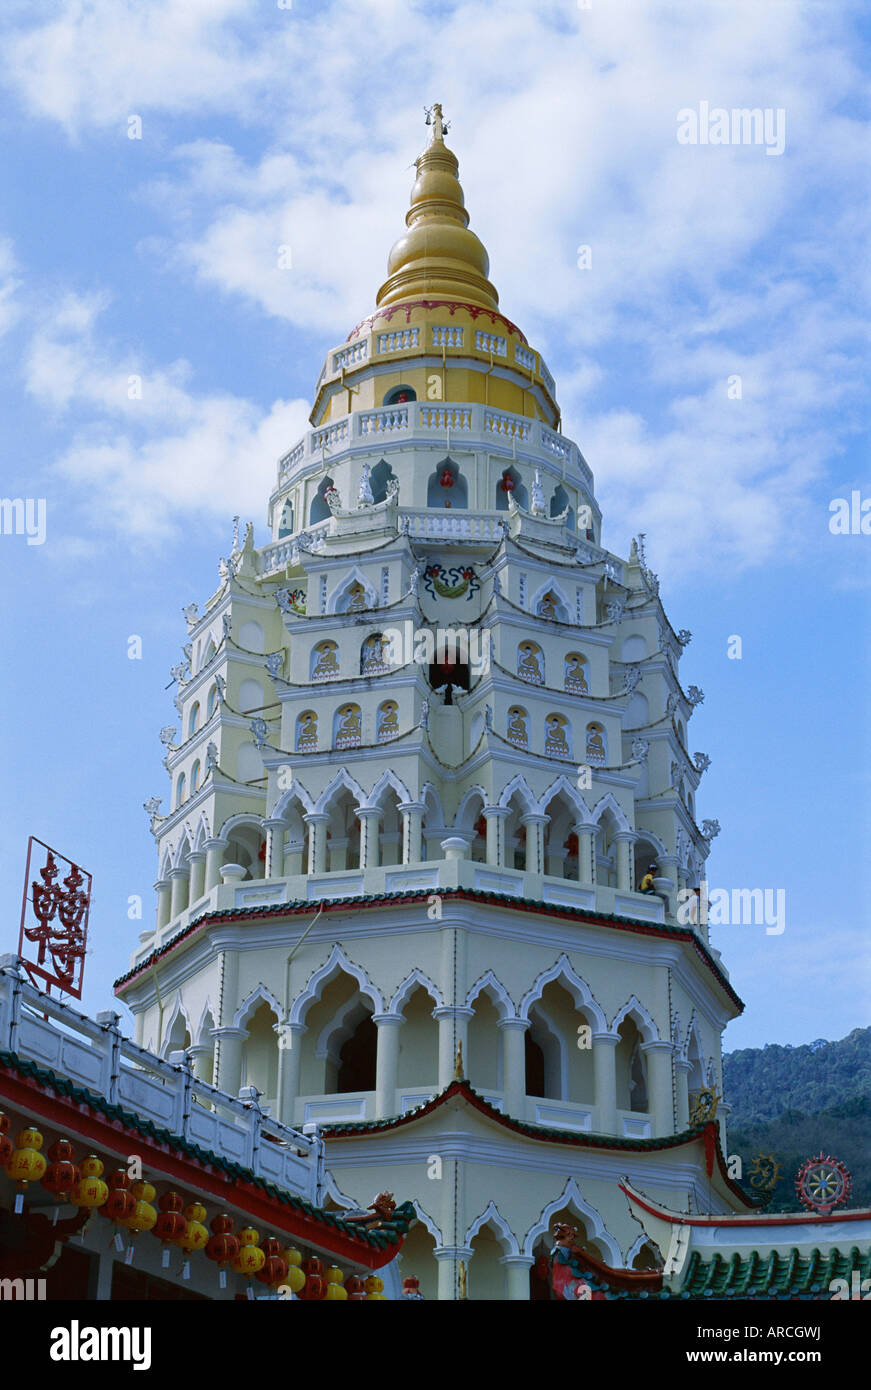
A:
{"points": [[427, 869]]}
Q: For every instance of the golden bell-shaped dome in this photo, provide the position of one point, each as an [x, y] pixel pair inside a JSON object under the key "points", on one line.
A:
{"points": [[438, 256]]}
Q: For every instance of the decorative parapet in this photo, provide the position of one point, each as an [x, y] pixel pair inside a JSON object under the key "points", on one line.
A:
{"points": [[92, 1053]]}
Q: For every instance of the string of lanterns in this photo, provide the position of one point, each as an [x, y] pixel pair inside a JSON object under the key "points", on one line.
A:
{"points": [[173, 1222]]}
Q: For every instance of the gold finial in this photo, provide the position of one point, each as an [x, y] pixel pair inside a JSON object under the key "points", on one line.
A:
{"points": [[461, 1280], [438, 256], [458, 1069], [434, 117]]}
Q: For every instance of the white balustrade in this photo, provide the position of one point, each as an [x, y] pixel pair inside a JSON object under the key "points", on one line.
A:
{"points": [[547, 378], [291, 459], [490, 342], [329, 435], [399, 341], [93, 1054], [510, 426], [384, 421], [447, 417], [447, 337], [524, 357], [350, 356], [556, 445]]}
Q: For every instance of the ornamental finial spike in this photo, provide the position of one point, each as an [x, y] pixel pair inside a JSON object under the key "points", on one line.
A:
{"points": [[458, 1069], [434, 117]]}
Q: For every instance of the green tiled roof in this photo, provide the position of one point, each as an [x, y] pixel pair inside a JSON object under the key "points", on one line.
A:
{"points": [[775, 1275], [387, 1234]]}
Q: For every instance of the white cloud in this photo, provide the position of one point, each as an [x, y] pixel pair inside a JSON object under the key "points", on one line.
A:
{"points": [[150, 465]]}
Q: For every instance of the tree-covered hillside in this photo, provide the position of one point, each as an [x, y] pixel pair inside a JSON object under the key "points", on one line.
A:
{"points": [[795, 1102]]}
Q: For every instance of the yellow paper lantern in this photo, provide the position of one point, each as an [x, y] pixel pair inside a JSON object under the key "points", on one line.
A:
{"points": [[334, 1275], [195, 1211], [91, 1167], [29, 1138], [90, 1192], [374, 1285], [377, 1298], [293, 1257], [26, 1165], [196, 1236], [142, 1218], [295, 1278], [249, 1260], [248, 1236], [336, 1294]]}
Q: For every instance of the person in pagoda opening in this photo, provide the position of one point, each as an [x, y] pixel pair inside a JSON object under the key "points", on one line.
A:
{"points": [[646, 884]]}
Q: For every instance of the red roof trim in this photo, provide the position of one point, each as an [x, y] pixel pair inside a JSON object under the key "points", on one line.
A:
{"points": [[760, 1222], [76, 1120], [405, 305], [460, 894]]}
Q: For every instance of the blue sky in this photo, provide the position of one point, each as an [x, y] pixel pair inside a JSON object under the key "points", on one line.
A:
{"points": [[264, 127]]}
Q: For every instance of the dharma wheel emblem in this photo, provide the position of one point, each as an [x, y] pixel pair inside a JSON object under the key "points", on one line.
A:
{"points": [[705, 1107], [823, 1183]]}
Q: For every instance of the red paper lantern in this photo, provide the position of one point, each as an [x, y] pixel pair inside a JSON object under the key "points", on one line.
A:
{"points": [[507, 483], [6, 1146], [356, 1289], [170, 1224], [223, 1245], [120, 1202], [447, 478]]}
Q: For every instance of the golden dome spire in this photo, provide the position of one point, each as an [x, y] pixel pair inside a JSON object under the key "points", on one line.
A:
{"points": [[438, 256]]}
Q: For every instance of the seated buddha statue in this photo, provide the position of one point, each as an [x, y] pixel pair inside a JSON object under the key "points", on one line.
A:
{"points": [[556, 737], [547, 607], [388, 724], [516, 726], [528, 665], [357, 596], [326, 664], [575, 677], [308, 728], [595, 745], [350, 725]]}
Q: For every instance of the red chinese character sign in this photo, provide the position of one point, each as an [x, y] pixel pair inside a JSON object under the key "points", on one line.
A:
{"points": [[54, 920]]}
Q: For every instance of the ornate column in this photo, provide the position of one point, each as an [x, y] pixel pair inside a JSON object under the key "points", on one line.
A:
{"points": [[659, 1055], [369, 817], [517, 1269], [513, 1032], [605, 1079], [293, 852], [164, 891], [624, 840], [586, 858], [386, 1063], [666, 881], [413, 813], [337, 853], [274, 848], [496, 816], [197, 862], [317, 841], [289, 1059], [179, 891], [203, 1058], [230, 1058], [448, 1258], [214, 854], [449, 1036], [534, 826], [682, 1091]]}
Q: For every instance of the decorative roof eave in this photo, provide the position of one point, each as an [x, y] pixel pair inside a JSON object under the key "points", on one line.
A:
{"points": [[708, 1133], [301, 907], [761, 1220], [406, 306], [79, 1112]]}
